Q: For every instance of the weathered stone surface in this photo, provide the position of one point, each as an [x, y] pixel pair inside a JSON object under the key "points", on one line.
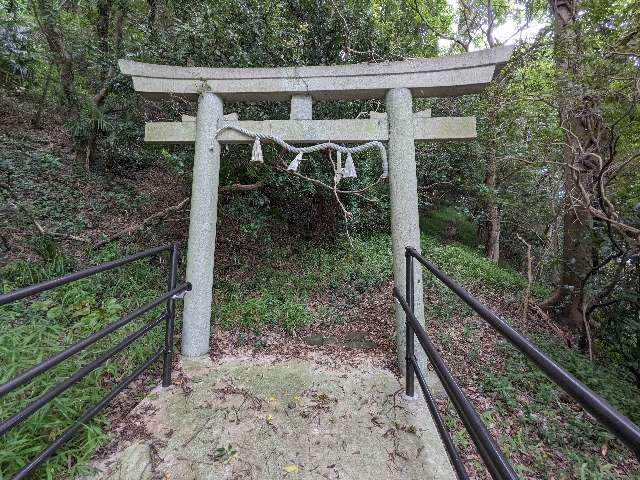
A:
{"points": [[301, 107], [430, 77], [315, 131], [134, 463], [228, 117], [262, 419], [420, 113], [405, 227], [443, 128], [202, 228]]}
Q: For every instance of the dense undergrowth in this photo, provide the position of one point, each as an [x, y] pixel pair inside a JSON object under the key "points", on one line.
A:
{"points": [[542, 430], [547, 417], [32, 330], [276, 292], [274, 288]]}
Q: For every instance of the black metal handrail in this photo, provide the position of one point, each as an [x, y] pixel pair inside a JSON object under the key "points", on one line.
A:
{"points": [[166, 350], [494, 459]]}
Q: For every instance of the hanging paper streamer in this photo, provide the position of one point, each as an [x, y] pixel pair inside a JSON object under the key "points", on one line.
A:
{"points": [[256, 153], [338, 175], [295, 163], [349, 170]]}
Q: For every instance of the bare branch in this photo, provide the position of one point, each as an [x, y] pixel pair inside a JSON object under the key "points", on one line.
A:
{"points": [[416, 9], [132, 228], [240, 187]]}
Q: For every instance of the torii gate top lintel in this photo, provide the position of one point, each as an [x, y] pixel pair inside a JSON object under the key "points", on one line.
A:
{"points": [[430, 77]]}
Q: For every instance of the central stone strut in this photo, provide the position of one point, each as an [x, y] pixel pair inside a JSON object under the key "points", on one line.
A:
{"points": [[396, 82]]}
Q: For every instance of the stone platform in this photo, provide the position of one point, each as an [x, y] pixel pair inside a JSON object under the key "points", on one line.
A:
{"points": [[261, 418]]}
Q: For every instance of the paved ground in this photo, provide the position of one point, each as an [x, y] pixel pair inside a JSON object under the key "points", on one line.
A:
{"points": [[259, 418]]}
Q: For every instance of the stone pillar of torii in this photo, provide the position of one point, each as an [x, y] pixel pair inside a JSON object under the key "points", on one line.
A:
{"points": [[395, 82]]}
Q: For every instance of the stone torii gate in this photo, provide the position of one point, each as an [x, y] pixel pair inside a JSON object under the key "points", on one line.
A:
{"points": [[395, 82]]}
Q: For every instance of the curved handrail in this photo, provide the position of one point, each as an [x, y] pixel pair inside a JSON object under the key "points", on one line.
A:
{"points": [[21, 293], [621, 426]]}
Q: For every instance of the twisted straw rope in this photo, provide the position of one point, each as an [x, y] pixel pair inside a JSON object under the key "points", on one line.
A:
{"points": [[315, 148]]}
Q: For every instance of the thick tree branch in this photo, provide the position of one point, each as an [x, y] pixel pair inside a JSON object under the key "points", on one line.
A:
{"points": [[236, 187]]}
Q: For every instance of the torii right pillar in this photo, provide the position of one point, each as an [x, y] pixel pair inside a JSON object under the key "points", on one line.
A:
{"points": [[403, 184]]}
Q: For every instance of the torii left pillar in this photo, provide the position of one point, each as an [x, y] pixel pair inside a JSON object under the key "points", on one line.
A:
{"points": [[202, 227], [405, 227]]}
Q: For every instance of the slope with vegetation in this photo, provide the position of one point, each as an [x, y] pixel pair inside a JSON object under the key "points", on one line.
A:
{"points": [[279, 295]]}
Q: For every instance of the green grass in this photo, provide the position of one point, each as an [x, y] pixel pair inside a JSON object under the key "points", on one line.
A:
{"points": [[286, 278], [34, 329], [435, 224], [278, 293], [546, 418], [256, 313], [289, 272], [470, 268], [460, 257]]}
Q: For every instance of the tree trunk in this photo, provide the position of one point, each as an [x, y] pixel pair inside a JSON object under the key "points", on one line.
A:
{"points": [[62, 57], [491, 209], [103, 8], [106, 19], [492, 212], [576, 251], [568, 300], [151, 18]]}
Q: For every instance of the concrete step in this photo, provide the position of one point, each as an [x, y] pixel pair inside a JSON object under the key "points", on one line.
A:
{"points": [[264, 418]]}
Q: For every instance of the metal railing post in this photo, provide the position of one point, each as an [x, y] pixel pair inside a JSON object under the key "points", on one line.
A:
{"points": [[167, 317], [409, 333], [494, 459], [171, 313]]}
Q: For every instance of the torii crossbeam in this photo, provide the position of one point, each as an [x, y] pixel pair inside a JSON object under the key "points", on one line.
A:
{"points": [[396, 82]]}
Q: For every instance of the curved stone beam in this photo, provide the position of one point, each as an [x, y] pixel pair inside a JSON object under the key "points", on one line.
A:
{"points": [[431, 77]]}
